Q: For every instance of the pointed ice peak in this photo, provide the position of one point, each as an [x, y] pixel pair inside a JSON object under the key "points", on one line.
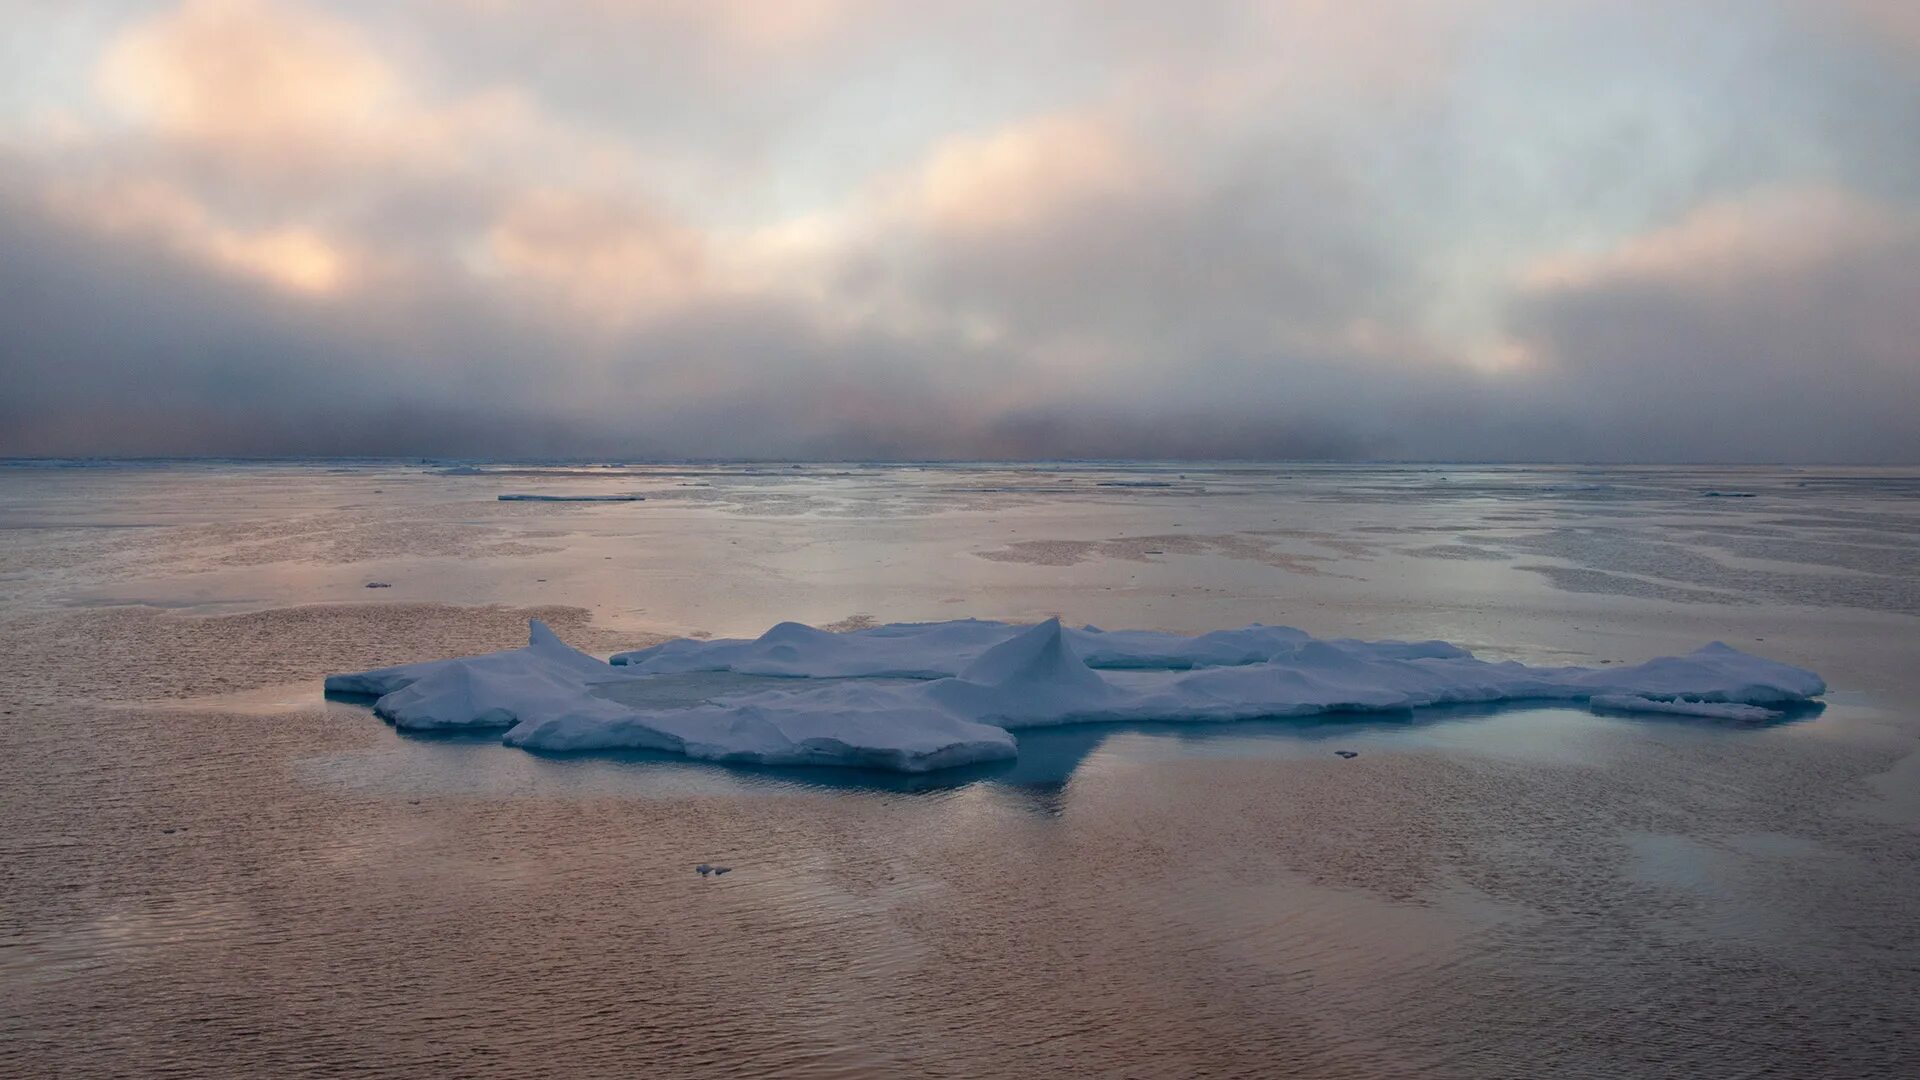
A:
{"points": [[790, 633], [1040, 655], [547, 647]]}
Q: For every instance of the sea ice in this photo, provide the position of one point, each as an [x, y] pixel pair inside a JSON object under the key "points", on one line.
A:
{"points": [[573, 498], [921, 696]]}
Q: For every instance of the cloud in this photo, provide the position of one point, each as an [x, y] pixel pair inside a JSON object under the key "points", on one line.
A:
{"points": [[1415, 229], [251, 74], [1026, 174], [297, 259], [1776, 233], [1773, 323], [271, 138], [1898, 21], [607, 257]]}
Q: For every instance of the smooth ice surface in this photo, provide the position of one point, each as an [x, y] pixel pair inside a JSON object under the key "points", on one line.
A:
{"points": [[923, 696]]}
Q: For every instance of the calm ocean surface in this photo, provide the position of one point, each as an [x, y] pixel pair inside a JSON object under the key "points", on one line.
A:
{"points": [[208, 869]]}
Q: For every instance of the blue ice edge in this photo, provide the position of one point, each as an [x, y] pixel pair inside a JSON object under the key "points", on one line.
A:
{"points": [[925, 697]]}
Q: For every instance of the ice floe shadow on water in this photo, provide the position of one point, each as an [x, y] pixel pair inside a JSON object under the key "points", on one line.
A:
{"points": [[1050, 757]]}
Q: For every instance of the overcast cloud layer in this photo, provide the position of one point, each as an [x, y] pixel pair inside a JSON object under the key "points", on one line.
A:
{"points": [[1610, 230]]}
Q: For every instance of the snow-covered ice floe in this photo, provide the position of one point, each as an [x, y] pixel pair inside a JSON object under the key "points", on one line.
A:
{"points": [[921, 696]]}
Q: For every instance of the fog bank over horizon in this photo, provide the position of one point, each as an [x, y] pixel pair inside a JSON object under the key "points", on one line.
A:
{"points": [[1445, 230]]}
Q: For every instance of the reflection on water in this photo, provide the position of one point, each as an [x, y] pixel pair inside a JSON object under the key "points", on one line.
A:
{"points": [[204, 872], [1470, 893]]}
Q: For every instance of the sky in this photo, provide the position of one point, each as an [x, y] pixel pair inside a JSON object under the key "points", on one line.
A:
{"points": [[1523, 230]]}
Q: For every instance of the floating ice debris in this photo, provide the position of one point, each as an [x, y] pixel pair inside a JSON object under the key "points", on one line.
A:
{"points": [[915, 697], [572, 498]]}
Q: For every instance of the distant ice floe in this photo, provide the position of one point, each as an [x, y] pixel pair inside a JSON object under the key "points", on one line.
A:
{"points": [[915, 697], [573, 498]]}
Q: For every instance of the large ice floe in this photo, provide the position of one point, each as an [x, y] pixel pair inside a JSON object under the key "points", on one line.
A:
{"points": [[921, 696]]}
